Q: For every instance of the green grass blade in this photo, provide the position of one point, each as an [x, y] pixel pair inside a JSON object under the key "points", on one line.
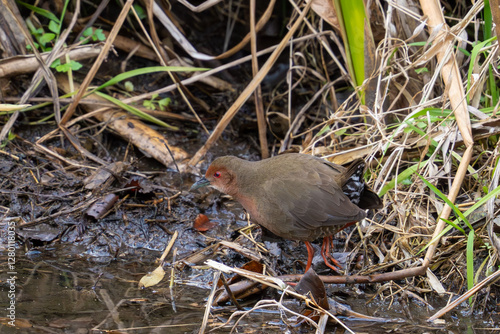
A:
{"points": [[487, 28], [475, 52], [401, 177], [447, 201], [453, 223], [439, 236], [470, 169], [40, 11], [65, 8], [421, 133], [137, 112], [470, 262], [495, 192], [435, 112], [488, 20], [147, 70]]}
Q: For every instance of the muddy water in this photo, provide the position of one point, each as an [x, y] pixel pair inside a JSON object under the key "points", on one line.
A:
{"points": [[74, 296], [57, 292]]}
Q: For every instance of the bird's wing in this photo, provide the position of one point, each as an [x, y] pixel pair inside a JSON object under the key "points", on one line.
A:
{"points": [[312, 199]]}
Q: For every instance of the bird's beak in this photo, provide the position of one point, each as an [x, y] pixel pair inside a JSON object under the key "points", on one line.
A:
{"points": [[203, 182]]}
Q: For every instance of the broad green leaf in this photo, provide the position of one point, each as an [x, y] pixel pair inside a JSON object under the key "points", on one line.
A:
{"points": [[54, 27], [46, 38], [99, 35]]}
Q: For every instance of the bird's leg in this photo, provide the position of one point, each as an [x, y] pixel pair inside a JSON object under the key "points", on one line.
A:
{"points": [[310, 254], [325, 250], [327, 256]]}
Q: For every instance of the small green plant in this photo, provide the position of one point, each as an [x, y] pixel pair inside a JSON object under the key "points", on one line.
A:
{"points": [[10, 137], [92, 34], [44, 40], [422, 70], [141, 71], [153, 104], [140, 12], [63, 68]]}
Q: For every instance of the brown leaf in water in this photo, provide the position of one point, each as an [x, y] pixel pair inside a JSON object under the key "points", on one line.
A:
{"points": [[252, 266], [203, 224], [152, 278]]}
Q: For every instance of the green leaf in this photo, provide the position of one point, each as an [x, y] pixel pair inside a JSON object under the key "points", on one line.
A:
{"points": [[473, 208], [54, 27], [95, 34], [55, 63], [339, 132], [46, 38], [326, 128], [99, 35], [11, 136], [140, 12], [354, 15], [148, 104], [88, 32], [453, 224], [75, 66], [422, 70], [163, 103], [407, 182], [464, 51], [63, 68], [129, 86]]}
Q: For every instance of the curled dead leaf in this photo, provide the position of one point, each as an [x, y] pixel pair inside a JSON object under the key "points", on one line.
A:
{"points": [[203, 224]]}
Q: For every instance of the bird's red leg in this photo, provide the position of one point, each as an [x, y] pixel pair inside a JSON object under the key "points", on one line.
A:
{"points": [[310, 254], [325, 250], [327, 256]]}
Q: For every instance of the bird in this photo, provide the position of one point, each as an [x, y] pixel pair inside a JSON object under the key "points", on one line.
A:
{"points": [[296, 196]]}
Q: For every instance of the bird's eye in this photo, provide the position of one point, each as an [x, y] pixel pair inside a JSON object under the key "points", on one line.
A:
{"points": [[217, 175]]}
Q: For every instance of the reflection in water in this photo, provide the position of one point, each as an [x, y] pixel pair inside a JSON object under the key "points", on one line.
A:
{"points": [[67, 295], [75, 295]]}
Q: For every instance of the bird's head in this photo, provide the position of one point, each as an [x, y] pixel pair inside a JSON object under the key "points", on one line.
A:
{"points": [[221, 175]]}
